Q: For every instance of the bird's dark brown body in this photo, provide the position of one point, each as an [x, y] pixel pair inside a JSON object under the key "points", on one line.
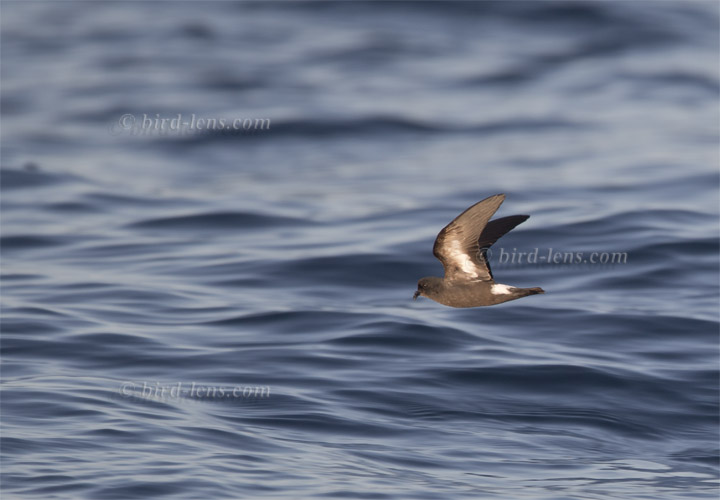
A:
{"points": [[461, 247]]}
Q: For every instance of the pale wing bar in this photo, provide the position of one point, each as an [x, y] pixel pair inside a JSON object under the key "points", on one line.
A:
{"points": [[456, 246]]}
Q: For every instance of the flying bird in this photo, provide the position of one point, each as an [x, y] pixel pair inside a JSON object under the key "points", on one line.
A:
{"points": [[462, 248]]}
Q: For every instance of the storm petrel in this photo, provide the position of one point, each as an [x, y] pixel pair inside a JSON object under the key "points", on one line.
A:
{"points": [[462, 248]]}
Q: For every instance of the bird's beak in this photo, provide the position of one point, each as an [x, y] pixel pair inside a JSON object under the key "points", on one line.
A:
{"points": [[416, 295]]}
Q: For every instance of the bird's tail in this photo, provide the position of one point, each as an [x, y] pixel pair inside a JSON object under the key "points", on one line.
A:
{"points": [[524, 292]]}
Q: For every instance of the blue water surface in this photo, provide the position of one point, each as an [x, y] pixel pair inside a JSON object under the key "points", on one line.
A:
{"points": [[226, 313]]}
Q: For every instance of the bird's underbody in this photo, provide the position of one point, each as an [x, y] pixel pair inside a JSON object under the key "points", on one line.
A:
{"points": [[462, 248]]}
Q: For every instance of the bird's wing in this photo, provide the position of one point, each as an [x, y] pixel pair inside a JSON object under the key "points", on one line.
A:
{"points": [[494, 230], [456, 246]]}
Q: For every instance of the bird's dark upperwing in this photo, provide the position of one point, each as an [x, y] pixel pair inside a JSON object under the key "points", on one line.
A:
{"points": [[494, 230], [456, 246]]}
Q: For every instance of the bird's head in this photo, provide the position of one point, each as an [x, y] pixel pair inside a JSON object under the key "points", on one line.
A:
{"points": [[427, 287]]}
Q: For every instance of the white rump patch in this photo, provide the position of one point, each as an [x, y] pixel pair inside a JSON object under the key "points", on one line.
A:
{"points": [[498, 289]]}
